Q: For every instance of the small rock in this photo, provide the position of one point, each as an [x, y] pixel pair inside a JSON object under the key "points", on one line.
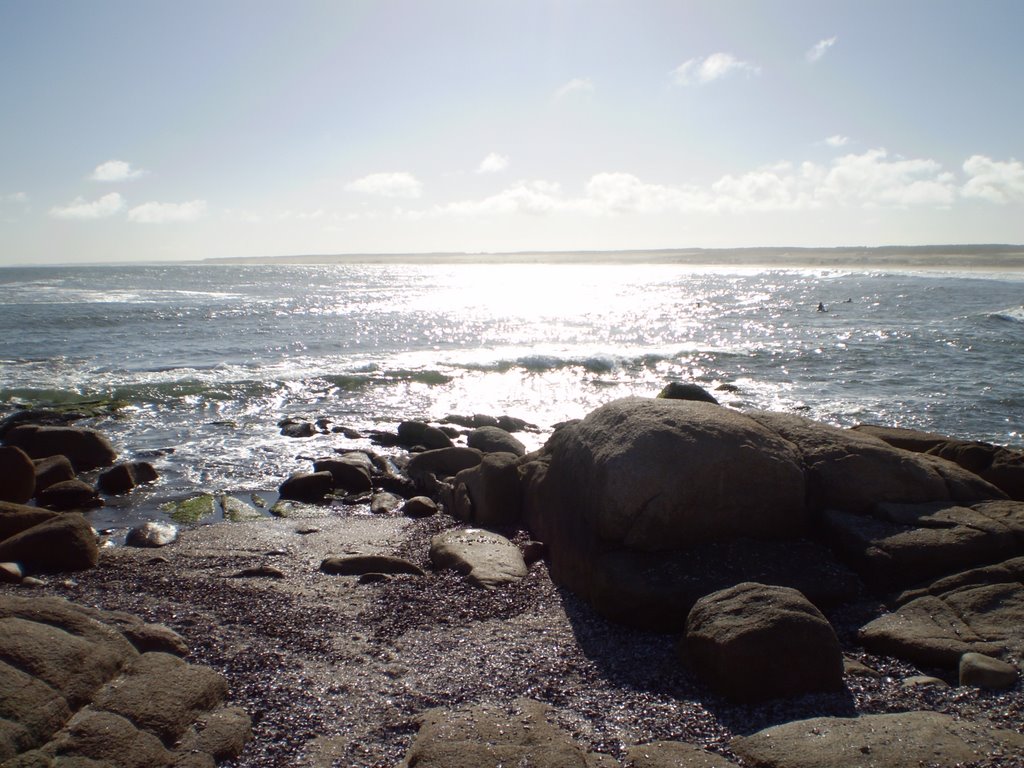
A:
{"points": [[385, 503], [10, 573], [419, 506], [305, 486], [259, 571], [32, 581], [296, 429], [69, 494], [854, 668], [923, 681], [152, 534], [306, 531], [373, 578], [677, 390], [360, 565], [981, 671], [533, 551], [123, 477], [487, 559], [413, 433], [191, 510]]}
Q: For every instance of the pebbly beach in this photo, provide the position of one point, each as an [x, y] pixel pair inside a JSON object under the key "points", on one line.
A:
{"points": [[668, 581]]}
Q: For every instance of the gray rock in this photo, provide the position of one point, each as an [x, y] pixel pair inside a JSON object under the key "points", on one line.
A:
{"points": [[384, 503], [17, 475], [85, 448], [982, 671], [677, 390], [69, 494], [486, 559], [419, 506], [904, 740], [489, 495], [152, 534], [10, 573], [61, 543], [358, 565], [351, 471], [754, 642], [417, 433], [673, 754], [487, 737], [444, 462], [306, 486], [495, 440], [52, 469], [296, 428]]}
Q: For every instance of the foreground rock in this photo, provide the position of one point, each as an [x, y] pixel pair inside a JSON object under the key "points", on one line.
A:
{"points": [[755, 642], [47, 542], [905, 740], [85, 448], [487, 559], [17, 475], [75, 690]]}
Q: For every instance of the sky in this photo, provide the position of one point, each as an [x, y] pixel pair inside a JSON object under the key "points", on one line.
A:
{"points": [[152, 130]]}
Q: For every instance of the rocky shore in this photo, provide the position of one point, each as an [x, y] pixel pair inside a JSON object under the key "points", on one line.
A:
{"points": [[667, 582]]}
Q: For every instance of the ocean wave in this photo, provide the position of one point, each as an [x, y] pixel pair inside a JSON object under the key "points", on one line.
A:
{"points": [[1012, 315]]}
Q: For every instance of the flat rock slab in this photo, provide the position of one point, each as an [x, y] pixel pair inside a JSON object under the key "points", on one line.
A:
{"points": [[673, 754], [904, 740], [487, 559]]}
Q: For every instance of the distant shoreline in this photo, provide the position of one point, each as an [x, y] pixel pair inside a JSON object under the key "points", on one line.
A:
{"points": [[929, 257]]}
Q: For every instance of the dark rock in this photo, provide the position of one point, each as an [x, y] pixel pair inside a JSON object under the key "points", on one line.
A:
{"points": [[52, 470], [62, 543], [533, 551], [351, 472], [123, 477], [357, 565], [486, 736], [17, 475], [495, 440], [513, 424], [471, 422], [152, 534], [678, 390], [259, 571], [444, 462], [414, 433], [419, 506], [69, 494], [489, 495], [296, 428], [486, 559], [347, 432], [306, 486], [754, 642], [15, 518], [902, 740], [982, 671], [85, 448]]}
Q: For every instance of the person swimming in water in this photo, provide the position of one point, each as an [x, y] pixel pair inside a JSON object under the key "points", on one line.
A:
{"points": [[821, 307]]}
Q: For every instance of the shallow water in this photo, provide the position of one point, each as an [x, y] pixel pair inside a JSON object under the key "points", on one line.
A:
{"points": [[208, 358]]}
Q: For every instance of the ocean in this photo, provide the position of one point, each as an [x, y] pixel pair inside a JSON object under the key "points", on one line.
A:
{"points": [[204, 360]]}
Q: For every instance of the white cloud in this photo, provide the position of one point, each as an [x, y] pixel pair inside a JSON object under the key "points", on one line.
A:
{"points": [[493, 163], [387, 185], [872, 179], [994, 180], [533, 197], [82, 210], [158, 213], [576, 85], [714, 67], [819, 49], [837, 140], [115, 170]]}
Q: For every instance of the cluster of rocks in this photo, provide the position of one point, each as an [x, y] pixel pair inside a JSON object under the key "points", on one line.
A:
{"points": [[84, 687]]}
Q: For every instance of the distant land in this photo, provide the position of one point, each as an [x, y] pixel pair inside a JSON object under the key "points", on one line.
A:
{"points": [[916, 257]]}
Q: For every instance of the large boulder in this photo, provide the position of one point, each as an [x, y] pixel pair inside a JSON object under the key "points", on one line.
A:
{"points": [[85, 448], [307, 486], [17, 475], [352, 472], [495, 440], [61, 543], [900, 740], [15, 518], [489, 494], [754, 642], [1003, 467], [852, 471]]}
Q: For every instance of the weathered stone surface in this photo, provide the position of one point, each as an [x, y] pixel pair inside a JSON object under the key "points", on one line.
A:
{"points": [[85, 448], [678, 390], [982, 671], [296, 428], [109, 740], [853, 471], [904, 740], [673, 754], [61, 543], [69, 494], [488, 737], [443, 461], [15, 518], [351, 472], [419, 506], [17, 475], [487, 559], [489, 495], [123, 477], [307, 486], [904, 544], [754, 642], [52, 469], [384, 503], [977, 611], [35, 708], [152, 534], [357, 565], [417, 433], [495, 440]]}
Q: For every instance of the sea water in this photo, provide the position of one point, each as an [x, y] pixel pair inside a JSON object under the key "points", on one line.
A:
{"points": [[206, 359]]}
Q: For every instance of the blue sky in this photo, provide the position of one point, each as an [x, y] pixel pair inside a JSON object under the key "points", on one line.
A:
{"points": [[169, 130]]}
